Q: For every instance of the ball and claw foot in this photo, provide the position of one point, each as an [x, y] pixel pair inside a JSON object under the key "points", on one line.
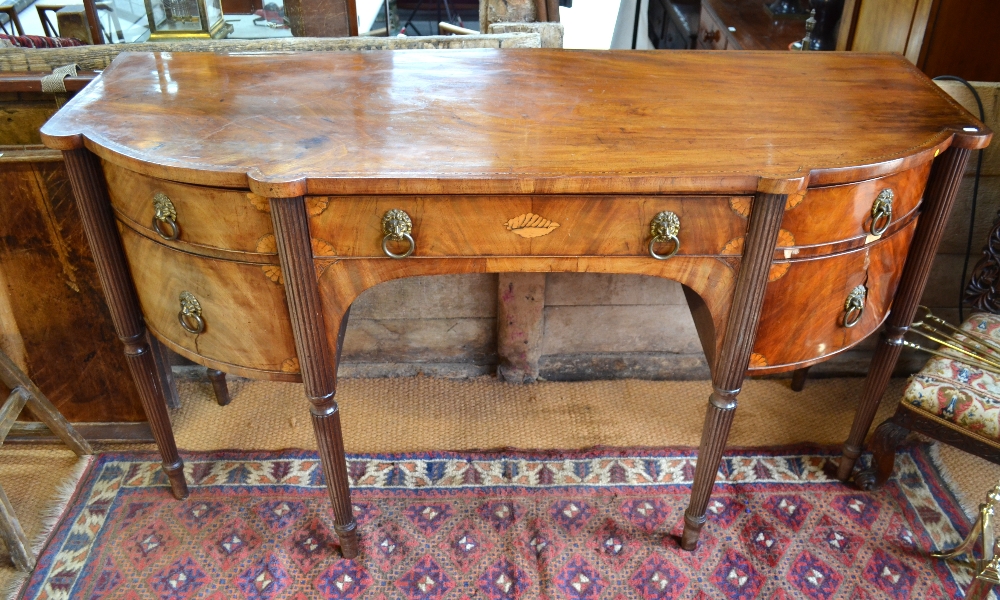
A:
{"points": [[866, 480]]}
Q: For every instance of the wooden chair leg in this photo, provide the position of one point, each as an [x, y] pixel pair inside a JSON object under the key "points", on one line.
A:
{"points": [[888, 436], [218, 379], [40, 406], [13, 536]]}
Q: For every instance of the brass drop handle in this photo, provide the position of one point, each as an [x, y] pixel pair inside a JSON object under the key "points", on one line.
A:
{"points": [[882, 212], [165, 216], [664, 229], [397, 226], [190, 315], [854, 307]]}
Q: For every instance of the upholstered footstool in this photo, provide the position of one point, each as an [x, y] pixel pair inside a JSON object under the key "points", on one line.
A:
{"points": [[948, 400]]}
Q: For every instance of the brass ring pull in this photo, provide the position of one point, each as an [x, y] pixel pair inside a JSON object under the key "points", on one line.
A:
{"points": [[165, 214], [854, 307], [882, 212], [397, 226], [190, 314], [664, 228]]}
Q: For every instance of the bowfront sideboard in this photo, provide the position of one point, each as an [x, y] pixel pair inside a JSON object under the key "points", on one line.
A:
{"points": [[237, 205]]}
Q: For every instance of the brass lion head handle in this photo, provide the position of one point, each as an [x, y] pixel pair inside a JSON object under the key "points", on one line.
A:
{"points": [[854, 306], [397, 227], [882, 212], [664, 229], [165, 217], [190, 315]]}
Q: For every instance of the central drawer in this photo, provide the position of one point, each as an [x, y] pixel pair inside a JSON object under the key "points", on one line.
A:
{"points": [[527, 225]]}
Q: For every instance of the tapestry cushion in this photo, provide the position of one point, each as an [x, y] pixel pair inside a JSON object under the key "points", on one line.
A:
{"points": [[960, 393], [38, 41]]}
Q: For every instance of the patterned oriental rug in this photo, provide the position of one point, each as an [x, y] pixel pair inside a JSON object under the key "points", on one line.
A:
{"points": [[575, 525]]}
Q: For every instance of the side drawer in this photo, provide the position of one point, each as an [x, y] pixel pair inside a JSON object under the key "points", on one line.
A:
{"points": [[527, 225], [844, 213], [247, 329], [802, 320], [208, 220], [710, 31]]}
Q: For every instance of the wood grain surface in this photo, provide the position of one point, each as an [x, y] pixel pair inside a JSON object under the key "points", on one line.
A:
{"points": [[210, 219], [536, 121], [527, 225], [246, 317], [802, 319], [843, 213], [57, 309]]}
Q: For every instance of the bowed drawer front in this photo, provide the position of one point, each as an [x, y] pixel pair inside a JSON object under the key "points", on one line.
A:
{"points": [[203, 220], [838, 217], [226, 314], [849, 296]]}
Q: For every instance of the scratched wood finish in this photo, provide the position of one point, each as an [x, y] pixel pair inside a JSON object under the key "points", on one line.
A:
{"points": [[54, 296], [247, 331], [799, 329], [595, 122], [209, 218], [499, 225], [843, 213]]}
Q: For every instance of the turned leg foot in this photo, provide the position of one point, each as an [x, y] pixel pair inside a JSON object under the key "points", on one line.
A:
{"points": [[888, 436], [218, 379], [326, 424], [718, 420]]}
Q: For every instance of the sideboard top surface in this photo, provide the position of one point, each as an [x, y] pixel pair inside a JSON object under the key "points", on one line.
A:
{"points": [[512, 121]]}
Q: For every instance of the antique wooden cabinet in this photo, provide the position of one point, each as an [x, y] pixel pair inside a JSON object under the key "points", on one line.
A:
{"points": [[237, 205]]}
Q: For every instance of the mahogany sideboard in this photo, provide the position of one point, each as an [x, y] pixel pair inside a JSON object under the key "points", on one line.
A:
{"points": [[236, 205]]}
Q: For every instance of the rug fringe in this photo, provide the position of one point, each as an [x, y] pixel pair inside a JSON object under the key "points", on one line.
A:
{"points": [[51, 516], [970, 509]]}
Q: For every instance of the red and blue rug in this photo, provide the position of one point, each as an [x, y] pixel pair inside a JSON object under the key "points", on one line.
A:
{"points": [[582, 525]]}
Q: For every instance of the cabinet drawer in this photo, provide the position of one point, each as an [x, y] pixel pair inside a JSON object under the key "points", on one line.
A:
{"points": [[710, 32], [247, 329], [798, 329], [844, 213], [526, 225], [208, 220]]}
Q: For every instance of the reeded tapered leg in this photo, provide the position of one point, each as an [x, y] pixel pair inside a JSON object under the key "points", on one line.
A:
{"points": [[942, 187], [734, 356], [102, 235], [316, 359], [218, 379]]}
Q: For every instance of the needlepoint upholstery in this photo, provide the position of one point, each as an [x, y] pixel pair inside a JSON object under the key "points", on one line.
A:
{"points": [[966, 396]]}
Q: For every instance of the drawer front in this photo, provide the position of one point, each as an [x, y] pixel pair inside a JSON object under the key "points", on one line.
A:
{"points": [[797, 329], [526, 225], [206, 219], [844, 213], [247, 329], [710, 33]]}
